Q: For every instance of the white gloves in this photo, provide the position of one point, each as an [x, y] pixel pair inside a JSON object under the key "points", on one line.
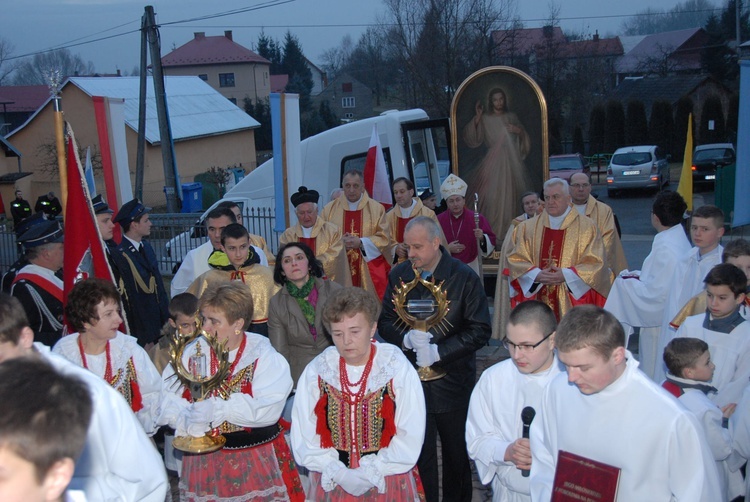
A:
{"points": [[352, 481], [199, 417], [428, 355], [414, 339]]}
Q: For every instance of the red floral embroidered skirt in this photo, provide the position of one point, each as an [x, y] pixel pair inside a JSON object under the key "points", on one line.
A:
{"points": [[405, 487], [260, 473]]}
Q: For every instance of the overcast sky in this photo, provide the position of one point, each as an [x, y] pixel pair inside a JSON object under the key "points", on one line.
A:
{"points": [[33, 25]]}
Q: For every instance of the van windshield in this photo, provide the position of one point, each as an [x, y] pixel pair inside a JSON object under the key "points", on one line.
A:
{"points": [[631, 158]]}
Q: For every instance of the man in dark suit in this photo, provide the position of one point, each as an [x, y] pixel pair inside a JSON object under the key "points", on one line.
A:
{"points": [[48, 204], [147, 301]]}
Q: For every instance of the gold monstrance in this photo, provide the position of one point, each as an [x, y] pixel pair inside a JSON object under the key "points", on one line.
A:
{"points": [[196, 380], [423, 315]]}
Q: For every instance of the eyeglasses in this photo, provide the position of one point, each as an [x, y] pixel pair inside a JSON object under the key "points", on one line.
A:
{"points": [[524, 347], [580, 185]]}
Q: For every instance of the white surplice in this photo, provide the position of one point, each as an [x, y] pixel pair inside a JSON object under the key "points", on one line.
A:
{"points": [[696, 269], [632, 424], [119, 462], [647, 302], [401, 454], [494, 422], [739, 429], [122, 348], [719, 440], [730, 352]]}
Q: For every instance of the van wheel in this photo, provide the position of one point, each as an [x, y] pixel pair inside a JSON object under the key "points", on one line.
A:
{"points": [[611, 193]]}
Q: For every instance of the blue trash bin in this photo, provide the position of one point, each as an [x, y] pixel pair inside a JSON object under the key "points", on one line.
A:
{"points": [[192, 197]]}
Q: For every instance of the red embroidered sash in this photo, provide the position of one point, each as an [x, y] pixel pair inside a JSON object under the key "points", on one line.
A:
{"points": [[44, 283], [309, 242]]}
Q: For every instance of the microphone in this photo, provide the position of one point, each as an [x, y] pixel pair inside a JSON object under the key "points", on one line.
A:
{"points": [[527, 416]]}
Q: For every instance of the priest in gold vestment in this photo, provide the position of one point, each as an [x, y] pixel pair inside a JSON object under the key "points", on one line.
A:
{"points": [[365, 236], [558, 257], [407, 207], [239, 261], [324, 238], [601, 214]]}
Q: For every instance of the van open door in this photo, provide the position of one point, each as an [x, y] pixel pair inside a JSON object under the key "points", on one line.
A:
{"points": [[428, 153]]}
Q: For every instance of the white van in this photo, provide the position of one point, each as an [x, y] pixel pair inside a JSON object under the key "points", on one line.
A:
{"points": [[413, 146]]}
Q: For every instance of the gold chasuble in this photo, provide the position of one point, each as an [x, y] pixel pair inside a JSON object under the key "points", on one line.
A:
{"points": [[576, 246], [502, 299], [397, 224], [602, 215], [258, 278], [367, 220], [325, 242]]}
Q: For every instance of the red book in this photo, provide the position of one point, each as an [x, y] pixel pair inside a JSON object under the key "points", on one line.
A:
{"points": [[579, 478]]}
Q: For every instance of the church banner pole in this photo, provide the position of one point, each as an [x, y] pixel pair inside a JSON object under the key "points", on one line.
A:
{"points": [[479, 239], [53, 82]]}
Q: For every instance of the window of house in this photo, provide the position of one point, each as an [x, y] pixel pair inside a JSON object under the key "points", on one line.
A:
{"points": [[346, 87], [233, 100], [226, 79], [348, 115], [347, 102], [203, 77]]}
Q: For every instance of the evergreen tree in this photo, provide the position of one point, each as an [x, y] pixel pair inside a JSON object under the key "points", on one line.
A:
{"points": [[661, 125], [597, 119], [733, 117], [682, 112], [712, 114], [636, 125], [329, 118], [269, 49], [260, 111], [295, 65], [614, 130], [578, 146]]}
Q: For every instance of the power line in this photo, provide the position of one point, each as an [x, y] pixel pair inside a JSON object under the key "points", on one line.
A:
{"points": [[67, 45]]}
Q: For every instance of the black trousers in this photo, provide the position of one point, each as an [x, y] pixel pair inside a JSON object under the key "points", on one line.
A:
{"points": [[456, 470]]}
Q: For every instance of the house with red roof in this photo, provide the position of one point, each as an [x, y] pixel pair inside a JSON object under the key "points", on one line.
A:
{"points": [[234, 71], [18, 103]]}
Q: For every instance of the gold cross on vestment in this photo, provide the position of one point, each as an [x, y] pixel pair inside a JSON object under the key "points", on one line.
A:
{"points": [[550, 261], [352, 230]]}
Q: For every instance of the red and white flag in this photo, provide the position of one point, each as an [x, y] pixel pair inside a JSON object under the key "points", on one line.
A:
{"points": [[84, 248], [376, 175]]}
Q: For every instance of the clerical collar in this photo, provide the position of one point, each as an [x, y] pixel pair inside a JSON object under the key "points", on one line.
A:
{"points": [[555, 222], [581, 209], [353, 205], [725, 324], [686, 383], [406, 212], [306, 232]]}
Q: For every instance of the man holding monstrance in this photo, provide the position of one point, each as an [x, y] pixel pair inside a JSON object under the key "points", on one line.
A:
{"points": [[449, 347]]}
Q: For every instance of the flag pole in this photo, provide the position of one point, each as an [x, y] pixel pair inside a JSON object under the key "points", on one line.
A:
{"points": [[53, 82]]}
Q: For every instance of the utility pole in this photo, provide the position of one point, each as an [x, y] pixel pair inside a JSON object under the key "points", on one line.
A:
{"points": [[141, 151], [165, 131]]}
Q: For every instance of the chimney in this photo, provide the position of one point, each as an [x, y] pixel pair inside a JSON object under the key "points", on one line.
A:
{"points": [[548, 31], [118, 73], [228, 34], [596, 36], [199, 35]]}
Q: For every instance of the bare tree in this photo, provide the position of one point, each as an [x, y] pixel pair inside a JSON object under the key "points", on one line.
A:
{"points": [[437, 44], [336, 58], [687, 14], [6, 67], [33, 70]]}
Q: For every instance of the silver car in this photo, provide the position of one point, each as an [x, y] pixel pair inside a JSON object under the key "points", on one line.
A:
{"points": [[637, 167]]}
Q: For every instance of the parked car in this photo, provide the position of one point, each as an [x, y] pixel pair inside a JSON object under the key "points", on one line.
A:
{"points": [[637, 167], [565, 166], [706, 158]]}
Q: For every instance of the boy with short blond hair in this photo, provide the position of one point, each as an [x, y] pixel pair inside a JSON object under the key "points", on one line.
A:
{"points": [[706, 231], [494, 426], [725, 331], [689, 369]]}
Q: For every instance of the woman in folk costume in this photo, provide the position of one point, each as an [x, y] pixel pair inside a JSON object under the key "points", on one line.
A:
{"points": [[295, 324], [93, 310], [359, 417], [255, 463]]}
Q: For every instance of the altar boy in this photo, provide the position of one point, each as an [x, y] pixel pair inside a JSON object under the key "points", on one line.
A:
{"points": [[614, 414], [494, 425]]}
